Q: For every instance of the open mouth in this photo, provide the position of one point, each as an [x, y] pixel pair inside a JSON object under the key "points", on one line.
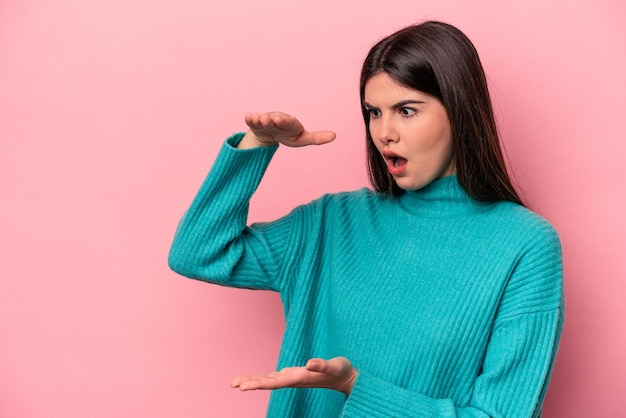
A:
{"points": [[395, 164], [397, 161]]}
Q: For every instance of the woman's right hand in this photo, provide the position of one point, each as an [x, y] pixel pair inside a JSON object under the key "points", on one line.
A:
{"points": [[275, 128]]}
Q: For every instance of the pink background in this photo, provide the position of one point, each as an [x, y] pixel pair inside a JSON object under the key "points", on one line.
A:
{"points": [[111, 113]]}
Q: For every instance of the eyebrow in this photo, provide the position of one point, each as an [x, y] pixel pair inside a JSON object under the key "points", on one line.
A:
{"points": [[396, 105]]}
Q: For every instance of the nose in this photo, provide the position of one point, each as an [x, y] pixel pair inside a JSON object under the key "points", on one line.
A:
{"points": [[383, 130]]}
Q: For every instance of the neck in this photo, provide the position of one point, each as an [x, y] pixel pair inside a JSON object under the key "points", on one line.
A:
{"points": [[443, 197]]}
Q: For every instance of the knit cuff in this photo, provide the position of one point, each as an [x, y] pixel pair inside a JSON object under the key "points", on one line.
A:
{"points": [[238, 170], [373, 397]]}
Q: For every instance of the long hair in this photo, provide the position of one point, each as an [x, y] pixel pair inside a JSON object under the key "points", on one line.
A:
{"points": [[438, 59]]}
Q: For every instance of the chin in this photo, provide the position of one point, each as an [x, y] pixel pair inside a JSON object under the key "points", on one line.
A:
{"points": [[413, 184], [411, 187]]}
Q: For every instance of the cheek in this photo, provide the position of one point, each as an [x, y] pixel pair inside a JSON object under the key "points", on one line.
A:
{"points": [[447, 154], [444, 151], [447, 141], [442, 136]]}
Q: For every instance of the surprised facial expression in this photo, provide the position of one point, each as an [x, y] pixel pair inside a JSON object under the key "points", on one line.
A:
{"points": [[411, 130]]}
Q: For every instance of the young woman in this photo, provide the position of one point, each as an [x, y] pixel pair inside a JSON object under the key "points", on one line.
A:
{"points": [[435, 294]]}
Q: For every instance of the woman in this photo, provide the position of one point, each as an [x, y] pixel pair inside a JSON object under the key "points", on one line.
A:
{"points": [[435, 294]]}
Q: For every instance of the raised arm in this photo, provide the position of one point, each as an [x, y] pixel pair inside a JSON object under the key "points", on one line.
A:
{"points": [[212, 242]]}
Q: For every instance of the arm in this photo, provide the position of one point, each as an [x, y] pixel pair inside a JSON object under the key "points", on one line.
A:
{"points": [[515, 371], [518, 359], [212, 241], [513, 381]]}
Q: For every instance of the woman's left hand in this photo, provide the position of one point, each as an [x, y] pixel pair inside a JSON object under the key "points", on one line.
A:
{"points": [[336, 373]]}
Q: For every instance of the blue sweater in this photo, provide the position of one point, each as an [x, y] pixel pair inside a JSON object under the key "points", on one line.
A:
{"points": [[447, 306]]}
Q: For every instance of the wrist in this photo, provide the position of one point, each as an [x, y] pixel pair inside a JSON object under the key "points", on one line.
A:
{"points": [[250, 140]]}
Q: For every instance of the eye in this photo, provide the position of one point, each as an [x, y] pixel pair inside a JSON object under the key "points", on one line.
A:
{"points": [[374, 113], [407, 111]]}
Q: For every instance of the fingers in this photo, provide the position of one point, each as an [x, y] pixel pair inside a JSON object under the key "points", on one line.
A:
{"points": [[278, 127], [273, 121], [237, 381], [287, 377], [336, 373], [336, 366], [342, 375], [253, 382], [244, 383]]}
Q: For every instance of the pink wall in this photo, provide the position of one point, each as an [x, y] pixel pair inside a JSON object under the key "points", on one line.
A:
{"points": [[111, 113]]}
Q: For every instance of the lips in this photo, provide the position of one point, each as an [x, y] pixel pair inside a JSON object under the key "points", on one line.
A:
{"points": [[396, 164]]}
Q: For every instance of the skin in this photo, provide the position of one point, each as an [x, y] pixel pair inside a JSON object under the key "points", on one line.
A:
{"points": [[403, 121], [336, 373], [270, 129], [275, 128], [410, 124]]}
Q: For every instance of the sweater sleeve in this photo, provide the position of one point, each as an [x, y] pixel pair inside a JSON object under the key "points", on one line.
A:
{"points": [[212, 242], [519, 358]]}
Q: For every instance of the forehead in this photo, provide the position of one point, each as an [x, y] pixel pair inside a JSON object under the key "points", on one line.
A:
{"points": [[381, 88]]}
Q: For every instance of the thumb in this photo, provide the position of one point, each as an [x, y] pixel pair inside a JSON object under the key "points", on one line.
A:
{"points": [[320, 137], [324, 137], [316, 365], [333, 367]]}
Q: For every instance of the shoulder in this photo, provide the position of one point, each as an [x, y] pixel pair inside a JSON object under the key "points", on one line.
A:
{"points": [[337, 206], [536, 281], [523, 222], [354, 198]]}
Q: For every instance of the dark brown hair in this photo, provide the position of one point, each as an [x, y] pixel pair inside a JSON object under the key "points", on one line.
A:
{"points": [[438, 59]]}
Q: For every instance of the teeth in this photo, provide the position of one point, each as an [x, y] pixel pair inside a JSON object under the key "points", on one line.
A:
{"points": [[396, 162]]}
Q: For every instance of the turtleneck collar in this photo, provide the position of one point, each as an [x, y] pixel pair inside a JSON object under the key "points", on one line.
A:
{"points": [[442, 197]]}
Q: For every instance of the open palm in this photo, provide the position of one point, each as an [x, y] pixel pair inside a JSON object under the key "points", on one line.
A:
{"points": [[336, 373]]}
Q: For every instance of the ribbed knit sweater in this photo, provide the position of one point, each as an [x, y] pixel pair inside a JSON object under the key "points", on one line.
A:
{"points": [[445, 305]]}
